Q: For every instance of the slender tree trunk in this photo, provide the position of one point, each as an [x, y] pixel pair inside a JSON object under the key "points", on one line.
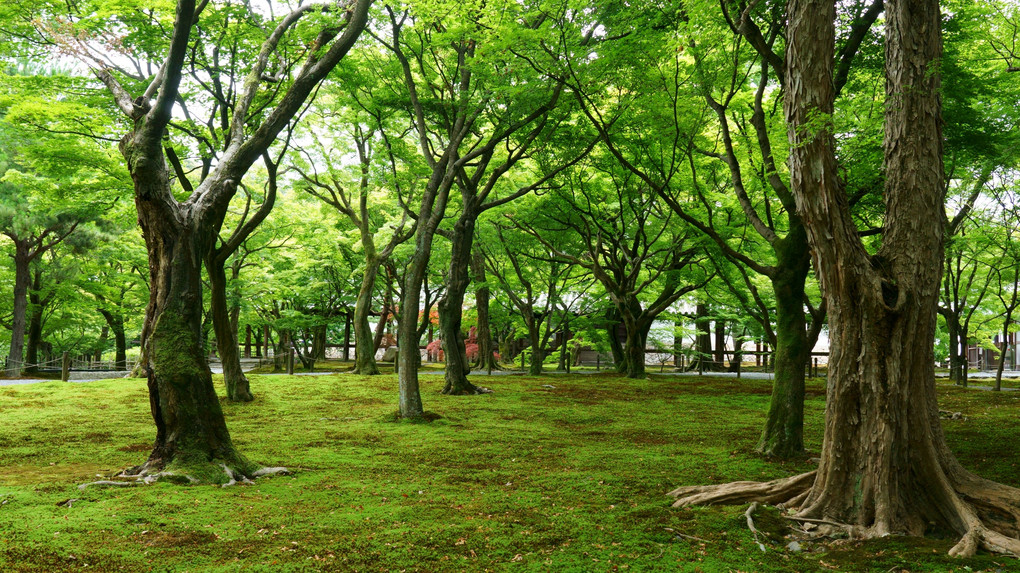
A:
{"points": [[433, 207], [452, 304], [1007, 320], [237, 385], [486, 358], [364, 340], [783, 435], [19, 318], [719, 361], [704, 337], [564, 340], [347, 336], [537, 356], [247, 341]]}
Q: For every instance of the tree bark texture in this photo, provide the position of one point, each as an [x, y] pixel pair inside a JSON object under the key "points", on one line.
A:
{"points": [[885, 467], [38, 305], [19, 320], [115, 320], [191, 433], [783, 435], [432, 209], [364, 339], [451, 305]]}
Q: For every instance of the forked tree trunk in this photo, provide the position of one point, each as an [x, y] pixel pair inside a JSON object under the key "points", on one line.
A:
{"points": [[452, 304], [237, 385], [885, 467], [191, 434], [637, 338], [364, 339], [783, 435]]}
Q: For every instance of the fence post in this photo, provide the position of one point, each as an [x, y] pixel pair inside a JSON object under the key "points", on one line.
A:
{"points": [[65, 369]]}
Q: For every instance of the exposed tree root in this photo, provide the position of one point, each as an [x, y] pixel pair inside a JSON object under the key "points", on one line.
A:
{"points": [[987, 514], [472, 390], [216, 473], [773, 492]]}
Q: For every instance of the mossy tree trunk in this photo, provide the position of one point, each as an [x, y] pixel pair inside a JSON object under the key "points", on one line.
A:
{"points": [[885, 467], [191, 434], [37, 307], [783, 435], [364, 339]]}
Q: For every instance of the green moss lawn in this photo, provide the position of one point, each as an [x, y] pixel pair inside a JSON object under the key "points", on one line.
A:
{"points": [[559, 473]]}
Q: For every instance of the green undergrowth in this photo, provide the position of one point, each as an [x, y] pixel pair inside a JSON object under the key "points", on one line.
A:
{"points": [[556, 473]]}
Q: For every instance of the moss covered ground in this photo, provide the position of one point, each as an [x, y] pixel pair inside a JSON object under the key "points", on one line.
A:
{"points": [[558, 473]]}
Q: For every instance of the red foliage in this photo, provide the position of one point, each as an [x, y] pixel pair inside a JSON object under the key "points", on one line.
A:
{"points": [[434, 351]]}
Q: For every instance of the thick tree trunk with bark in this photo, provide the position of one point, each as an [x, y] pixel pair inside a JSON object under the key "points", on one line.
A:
{"points": [[237, 385], [783, 435], [191, 434], [637, 338], [38, 305], [452, 304], [364, 340], [19, 319], [885, 467]]}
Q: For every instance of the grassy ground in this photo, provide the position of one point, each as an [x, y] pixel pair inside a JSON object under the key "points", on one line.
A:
{"points": [[530, 478]]}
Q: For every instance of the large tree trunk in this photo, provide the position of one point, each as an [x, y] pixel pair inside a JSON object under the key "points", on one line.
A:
{"points": [[364, 340], [613, 338], [885, 467], [237, 385], [783, 435], [452, 304], [191, 434], [637, 338], [20, 314], [38, 305]]}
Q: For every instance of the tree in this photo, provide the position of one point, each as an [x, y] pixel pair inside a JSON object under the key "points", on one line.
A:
{"points": [[191, 435], [627, 240], [885, 466], [475, 116], [371, 216], [51, 184]]}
